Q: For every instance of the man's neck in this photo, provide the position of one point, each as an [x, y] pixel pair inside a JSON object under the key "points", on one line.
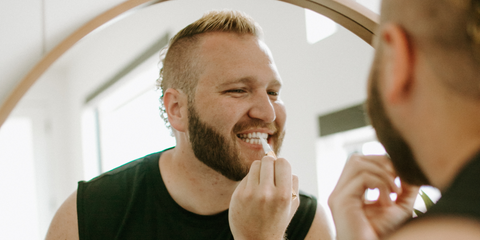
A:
{"points": [[447, 142], [193, 185], [445, 162]]}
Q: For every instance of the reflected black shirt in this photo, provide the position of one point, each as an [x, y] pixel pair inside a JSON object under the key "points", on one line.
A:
{"points": [[132, 202], [462, 198]]}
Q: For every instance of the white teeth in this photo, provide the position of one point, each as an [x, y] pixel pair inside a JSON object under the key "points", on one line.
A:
{"points": [[253, 138]]}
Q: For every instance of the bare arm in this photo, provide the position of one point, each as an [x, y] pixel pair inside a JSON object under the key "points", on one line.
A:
{"points": [[320, 229], [64, 224]]}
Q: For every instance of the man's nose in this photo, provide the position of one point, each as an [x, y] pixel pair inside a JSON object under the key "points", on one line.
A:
{"points": [[262, 108]]}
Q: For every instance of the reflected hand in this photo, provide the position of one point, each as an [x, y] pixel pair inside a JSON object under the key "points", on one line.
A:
{"points": [[262, 204], [356, 218]]}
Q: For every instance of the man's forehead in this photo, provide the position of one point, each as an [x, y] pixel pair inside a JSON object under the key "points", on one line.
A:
{"points": [[223, 44], [218, 40], [231, 58]]}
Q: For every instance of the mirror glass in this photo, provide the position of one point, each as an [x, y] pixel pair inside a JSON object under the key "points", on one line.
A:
{"points": [[88, 114]]}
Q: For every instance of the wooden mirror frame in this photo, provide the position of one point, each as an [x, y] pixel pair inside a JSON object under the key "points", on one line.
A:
{"points": [[348, 13]]}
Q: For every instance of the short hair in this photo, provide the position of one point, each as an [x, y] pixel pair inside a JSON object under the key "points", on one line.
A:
{"points": [[180, 58], [448, 32]]}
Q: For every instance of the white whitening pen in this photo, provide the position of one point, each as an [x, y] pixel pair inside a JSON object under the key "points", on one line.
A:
{"points": [[268, 150]]}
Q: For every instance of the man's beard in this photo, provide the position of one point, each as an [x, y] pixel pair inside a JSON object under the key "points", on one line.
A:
{"points": [[395, 145], [221, 153]]}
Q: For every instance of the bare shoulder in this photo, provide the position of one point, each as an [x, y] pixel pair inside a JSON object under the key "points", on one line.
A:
{"points": [[320, 228], [64, 224], [439, 228]]}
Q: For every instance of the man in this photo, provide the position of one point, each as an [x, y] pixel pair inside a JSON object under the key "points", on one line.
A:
{"points": [[424, 102], [220, 95]]}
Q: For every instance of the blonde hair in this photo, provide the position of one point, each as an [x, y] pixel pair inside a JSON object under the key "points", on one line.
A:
{"points": [[180, 65]]}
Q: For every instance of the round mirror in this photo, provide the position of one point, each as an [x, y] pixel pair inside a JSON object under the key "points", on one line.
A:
{"points": [[86, 107]]}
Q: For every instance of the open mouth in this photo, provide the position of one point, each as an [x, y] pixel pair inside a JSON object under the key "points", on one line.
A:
{"points": [[253, 138]]}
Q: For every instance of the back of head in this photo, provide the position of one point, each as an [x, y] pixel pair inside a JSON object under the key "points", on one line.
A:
{"points": [[448, 34], [181, 66]]}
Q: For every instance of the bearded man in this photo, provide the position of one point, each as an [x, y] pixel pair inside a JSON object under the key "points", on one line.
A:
{"points": [[424, 103], [221, 94]]}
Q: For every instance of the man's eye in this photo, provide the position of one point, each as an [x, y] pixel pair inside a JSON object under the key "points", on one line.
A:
{"points": [[236, 91], [273, 93]]}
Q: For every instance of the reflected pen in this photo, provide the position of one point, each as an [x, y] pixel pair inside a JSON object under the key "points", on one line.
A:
{"points": [[269, 152]]}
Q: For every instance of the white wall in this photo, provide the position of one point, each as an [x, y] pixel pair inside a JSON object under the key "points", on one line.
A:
{"points": [[20, 41], [31, 28], [317, 78]]}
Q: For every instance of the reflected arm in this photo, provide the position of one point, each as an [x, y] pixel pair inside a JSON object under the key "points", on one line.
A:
{"points": [[320, 228], [64, 224]]}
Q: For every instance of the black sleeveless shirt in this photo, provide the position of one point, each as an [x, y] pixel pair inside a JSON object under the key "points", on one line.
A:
{"points": [[462, 197], [132, 202]]}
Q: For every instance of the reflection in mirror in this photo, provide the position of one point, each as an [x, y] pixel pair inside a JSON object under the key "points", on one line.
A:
{"points": [[81, 123]]}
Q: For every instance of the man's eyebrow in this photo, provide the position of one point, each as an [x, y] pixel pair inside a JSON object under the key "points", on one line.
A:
{"points": [[275, 83], [248, 80], [245, 80]]}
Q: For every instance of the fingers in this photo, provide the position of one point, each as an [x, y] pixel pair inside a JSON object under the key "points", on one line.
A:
{"points": [[283, 175], [360, 183], [270, 176], [384, 197], [408, 189], [296, 201], [353, 215], [267, 171], [295, 184], [253, 177], [261, 206], [408, 196], [377, 169], [361, 173]]}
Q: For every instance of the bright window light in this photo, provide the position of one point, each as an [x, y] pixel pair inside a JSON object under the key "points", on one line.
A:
{"points": [[373, 5], [133, 130], [18, 204], [373, 148], [318, 26], [372, 194], [129, 123], [91, 166]]}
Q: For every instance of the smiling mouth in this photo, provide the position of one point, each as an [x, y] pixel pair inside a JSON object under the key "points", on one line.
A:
{"points": [[253, 138]]}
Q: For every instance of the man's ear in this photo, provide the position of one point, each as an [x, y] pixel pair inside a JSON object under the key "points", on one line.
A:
{"points": [[176, 107], [398, 57]]}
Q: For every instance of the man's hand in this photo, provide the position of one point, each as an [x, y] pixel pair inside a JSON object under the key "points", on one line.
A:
{"points": [[262, 205], [356, 218]]}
